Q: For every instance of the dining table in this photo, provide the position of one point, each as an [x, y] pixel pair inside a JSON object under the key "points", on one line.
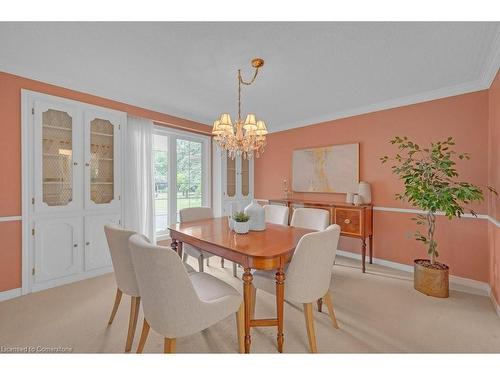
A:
{"points": [[269, 249]]}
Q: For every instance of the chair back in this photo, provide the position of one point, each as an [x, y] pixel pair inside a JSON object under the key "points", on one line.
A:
{"points": [[169, 300], [310, 218], [117, 238], [309, 274], [276, 214], [195, 213]]}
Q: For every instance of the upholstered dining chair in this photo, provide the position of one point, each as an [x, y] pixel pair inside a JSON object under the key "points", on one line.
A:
{"points": [[177, 303], [310, 218], [126, 282], [308, 276], [192, 214], [276, 214]]}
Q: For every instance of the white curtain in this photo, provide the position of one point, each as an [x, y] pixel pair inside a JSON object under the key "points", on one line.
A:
{"points": [[138, 201]]}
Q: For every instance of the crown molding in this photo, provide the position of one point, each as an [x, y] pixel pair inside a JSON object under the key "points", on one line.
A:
{"points": [[485, 78], [490, 68], [441, 93]]}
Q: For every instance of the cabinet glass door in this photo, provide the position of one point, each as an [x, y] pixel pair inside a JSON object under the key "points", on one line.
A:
{"points": [[245, 177], [56, 157], [101, 164], [230, 177]]}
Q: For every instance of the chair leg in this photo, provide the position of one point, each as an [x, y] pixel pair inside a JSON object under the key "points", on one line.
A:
{"points": [[184, 257], [240, 326], [118, 298], [208, 262], [331, 312], [311, 334], [169, 345], [235, 273], [222, 262], [144, 336], [132, 323], [254, 300], [200, 263]]}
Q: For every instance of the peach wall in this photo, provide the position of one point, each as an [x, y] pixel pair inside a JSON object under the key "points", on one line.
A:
{"points": [[10, 158], [463, 243], [494, 180]]}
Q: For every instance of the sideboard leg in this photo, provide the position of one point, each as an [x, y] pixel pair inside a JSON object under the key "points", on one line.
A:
{"points": [[370, 241], [363, 255]]}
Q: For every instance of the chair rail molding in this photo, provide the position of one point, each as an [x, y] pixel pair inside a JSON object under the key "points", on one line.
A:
{"points": [[10, 218]]}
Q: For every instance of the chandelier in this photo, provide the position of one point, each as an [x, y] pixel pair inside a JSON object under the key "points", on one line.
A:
{"points": [[241, 138]]}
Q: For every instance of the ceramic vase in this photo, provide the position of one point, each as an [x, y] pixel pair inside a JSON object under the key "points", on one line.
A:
{"points": [[241, 227], [357, 199], [257, 216], [349, 198], [365, 191]]}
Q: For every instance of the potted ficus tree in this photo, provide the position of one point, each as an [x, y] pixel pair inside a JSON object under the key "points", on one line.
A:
{"points": [[431, 183]]}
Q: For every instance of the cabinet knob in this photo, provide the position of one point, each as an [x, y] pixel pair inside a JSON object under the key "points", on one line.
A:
{"points": [[75, 245], [87, 243], [347, 221], [75, 163], [87, 164]]}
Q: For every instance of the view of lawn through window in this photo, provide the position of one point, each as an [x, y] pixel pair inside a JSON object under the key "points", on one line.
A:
{"points": [[160, 160], [188, 184]]}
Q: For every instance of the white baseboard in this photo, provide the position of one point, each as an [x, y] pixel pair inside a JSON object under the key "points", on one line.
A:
{"points": [[457, 283], [496, 306], [9, 294]]}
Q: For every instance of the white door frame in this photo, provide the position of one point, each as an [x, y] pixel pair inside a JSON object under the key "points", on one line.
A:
{"points": [[173, 135]]}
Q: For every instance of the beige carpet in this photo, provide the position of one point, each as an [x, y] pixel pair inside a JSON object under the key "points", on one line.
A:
{"points": [[378, 312]]}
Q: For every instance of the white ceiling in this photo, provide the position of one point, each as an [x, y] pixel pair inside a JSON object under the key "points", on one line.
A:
{"points": [[313, 71]]}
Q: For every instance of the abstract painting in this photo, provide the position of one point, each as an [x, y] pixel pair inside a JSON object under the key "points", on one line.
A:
{"points": [[330, 169]]}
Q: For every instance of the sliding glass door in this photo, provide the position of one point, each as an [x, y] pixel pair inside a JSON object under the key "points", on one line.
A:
{"points": [[182, 174]]}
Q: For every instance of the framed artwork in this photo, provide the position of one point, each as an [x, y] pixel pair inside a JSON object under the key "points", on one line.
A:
{"points": [[330, 169]]}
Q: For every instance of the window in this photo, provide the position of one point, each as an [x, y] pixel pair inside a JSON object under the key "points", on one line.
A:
{"points": [[160, 160], [182, 174]]}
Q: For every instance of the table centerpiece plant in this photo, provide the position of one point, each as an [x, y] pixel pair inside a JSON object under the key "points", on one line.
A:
{"points": [[241, 222]]}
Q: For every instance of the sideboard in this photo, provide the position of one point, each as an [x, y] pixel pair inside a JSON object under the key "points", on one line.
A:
{"points": [[354, 221]]}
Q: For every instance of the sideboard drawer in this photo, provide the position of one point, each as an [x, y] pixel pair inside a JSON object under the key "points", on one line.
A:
{"points": [[350, 220]]}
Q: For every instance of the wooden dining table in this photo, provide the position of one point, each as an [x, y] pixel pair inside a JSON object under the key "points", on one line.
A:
{"points": [[270, 249]]}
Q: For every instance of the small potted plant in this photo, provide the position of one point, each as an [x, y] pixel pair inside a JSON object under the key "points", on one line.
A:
{"points": [[431, 183], [241, 222]]}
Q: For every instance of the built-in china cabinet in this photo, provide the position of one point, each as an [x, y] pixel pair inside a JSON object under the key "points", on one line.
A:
{"points": [[233, 180], [72, 167]]}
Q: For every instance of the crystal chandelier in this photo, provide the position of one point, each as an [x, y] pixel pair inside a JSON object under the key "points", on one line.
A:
{"points": [[241, 138]]}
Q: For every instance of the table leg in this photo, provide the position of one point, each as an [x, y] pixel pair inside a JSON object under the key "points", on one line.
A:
{"points": [[370, 242], [280, 299], [179, 249], [247, 297], [173, 245], [363, 254]]}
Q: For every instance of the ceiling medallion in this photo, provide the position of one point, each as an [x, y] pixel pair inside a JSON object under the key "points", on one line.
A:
{"points": [[241, 138]]}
